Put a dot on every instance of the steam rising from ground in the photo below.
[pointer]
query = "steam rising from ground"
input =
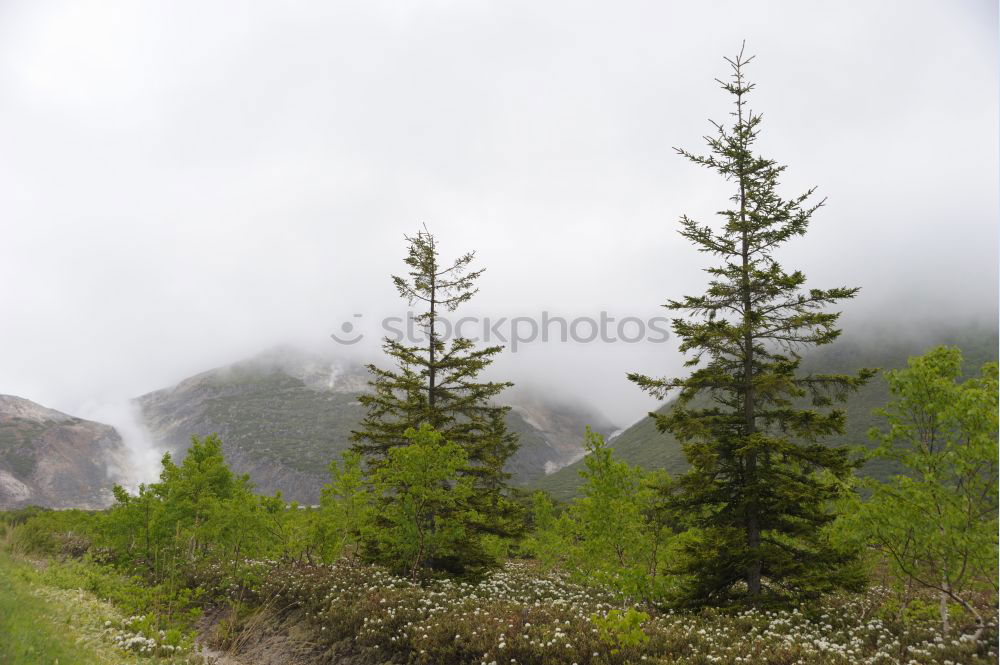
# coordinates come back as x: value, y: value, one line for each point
x: 143, y: 455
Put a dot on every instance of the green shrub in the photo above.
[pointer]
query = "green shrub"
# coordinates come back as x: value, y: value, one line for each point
x: 54, y: 532
x: 621, y: 630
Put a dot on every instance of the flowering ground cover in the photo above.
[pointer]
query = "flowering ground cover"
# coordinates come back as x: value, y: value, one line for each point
x: 521, y: 615
x: 518, y: 614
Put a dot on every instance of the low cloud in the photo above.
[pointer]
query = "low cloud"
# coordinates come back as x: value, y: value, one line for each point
x: 185, y: 184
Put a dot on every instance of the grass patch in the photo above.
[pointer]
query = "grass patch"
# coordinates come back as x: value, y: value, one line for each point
x: 51, y: 616
x: 29, y: 630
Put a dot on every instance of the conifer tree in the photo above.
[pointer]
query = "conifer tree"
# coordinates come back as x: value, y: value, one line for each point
x: 761, y: 484
x: 436, y: 383
x: 423, y: 522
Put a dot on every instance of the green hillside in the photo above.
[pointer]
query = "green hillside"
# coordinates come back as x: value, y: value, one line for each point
x: 285, y: 414
x: 643, y: 445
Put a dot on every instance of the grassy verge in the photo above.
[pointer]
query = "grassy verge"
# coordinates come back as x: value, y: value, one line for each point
x: 51, y: 617
x: 34, y: 630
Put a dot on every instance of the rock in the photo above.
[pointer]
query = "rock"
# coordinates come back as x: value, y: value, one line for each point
x: 52, y: 459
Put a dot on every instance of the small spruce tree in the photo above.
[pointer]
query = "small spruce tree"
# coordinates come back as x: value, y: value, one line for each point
x: 761, y: 484
x: 436, y: 383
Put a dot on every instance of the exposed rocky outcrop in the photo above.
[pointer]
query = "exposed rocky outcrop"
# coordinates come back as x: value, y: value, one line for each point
x: 52, y: 459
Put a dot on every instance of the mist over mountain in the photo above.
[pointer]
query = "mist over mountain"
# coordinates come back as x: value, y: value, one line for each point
x: 879, y: 346
x: 285, y: 414
x: 255, y: 179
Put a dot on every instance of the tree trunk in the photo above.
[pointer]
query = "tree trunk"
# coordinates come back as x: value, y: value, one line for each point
x: 980, y: 624
x: 753, y: 531
x: 431, y: 368
x: 752, y: 523
x: 943, y: 608
x: 420, y: 553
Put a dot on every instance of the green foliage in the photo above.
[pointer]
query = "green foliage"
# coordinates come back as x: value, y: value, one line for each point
x: 199, y: 511
x: 760, y: 485
x: 616, y: 534
x: 345, y: 508
x: 325, y: 533
x: 938, y: 524
x: 513, y: 613
x: 437, y: 384
x: 424, y: 518
x: 171, y: 605
x: 59, y: 614
x: 622, y: 629
x: 28, y: 636
x: 618, y: 529
x: 547, y: 540
x: 21, y: 515
x: 53, y: 532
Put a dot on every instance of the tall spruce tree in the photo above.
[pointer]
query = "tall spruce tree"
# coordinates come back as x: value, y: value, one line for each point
x: 436, y: 383
x: 760, y: 486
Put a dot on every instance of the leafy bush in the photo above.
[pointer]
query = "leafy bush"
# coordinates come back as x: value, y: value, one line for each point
x: 617, y: 534
x: 21, y: 515
x: 423, y: 512
x: 937, y: 524
x: 54, y: 532
x: 622, y: 629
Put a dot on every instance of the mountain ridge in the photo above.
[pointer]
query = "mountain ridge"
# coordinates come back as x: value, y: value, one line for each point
x: 285, y: 414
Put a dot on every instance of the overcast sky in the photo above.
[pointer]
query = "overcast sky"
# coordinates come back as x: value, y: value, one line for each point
x: 183, y: 184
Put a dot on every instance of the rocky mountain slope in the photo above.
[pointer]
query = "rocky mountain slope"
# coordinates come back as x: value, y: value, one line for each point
x: 285, y: 414
x: 643, y: 445
x: 51, y: 459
